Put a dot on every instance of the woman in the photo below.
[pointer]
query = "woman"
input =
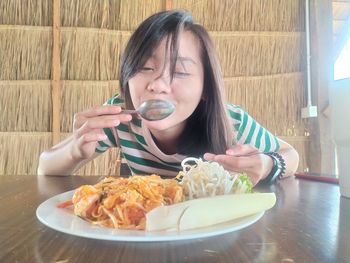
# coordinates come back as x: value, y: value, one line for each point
x: 170, y: 57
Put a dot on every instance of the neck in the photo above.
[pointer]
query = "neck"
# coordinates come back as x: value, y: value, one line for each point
x: 167, y: 140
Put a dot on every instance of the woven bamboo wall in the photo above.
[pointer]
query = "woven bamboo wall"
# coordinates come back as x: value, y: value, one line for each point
x: 260, y: 45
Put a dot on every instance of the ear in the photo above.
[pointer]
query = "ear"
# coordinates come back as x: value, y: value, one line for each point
x: 203, y: 97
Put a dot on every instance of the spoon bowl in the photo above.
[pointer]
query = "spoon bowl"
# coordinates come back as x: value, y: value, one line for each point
x: 153, y: 110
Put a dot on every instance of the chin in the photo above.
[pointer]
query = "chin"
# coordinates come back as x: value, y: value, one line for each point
x: 158, y: 125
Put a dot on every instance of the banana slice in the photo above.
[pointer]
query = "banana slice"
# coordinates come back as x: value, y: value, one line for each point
x: 207, y: 211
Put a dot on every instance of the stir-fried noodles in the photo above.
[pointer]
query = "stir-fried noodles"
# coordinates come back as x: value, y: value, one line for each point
x: 123, y: 202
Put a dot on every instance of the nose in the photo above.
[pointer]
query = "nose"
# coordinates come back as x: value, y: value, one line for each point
x: 160, y: 84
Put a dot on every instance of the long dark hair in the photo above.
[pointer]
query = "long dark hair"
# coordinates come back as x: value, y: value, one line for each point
x: 207, y: 129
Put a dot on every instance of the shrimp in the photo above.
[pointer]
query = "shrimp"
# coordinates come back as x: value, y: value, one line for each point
x: 84, y: 200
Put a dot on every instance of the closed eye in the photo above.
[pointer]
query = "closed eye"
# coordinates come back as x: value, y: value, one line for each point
x: 181, y: 74
x: 146, y: 69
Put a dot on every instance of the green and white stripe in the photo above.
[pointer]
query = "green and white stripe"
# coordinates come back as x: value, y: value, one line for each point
x: 144, y: 157
x: 249, y: 131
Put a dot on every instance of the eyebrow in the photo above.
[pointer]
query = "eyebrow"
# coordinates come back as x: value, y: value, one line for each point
x: 185, y: 59
x: 181, y: 59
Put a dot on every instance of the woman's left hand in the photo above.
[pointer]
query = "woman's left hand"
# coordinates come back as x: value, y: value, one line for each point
x: 244, y: 158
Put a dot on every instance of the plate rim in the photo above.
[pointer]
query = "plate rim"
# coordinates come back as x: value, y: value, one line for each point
x: 159, y: 236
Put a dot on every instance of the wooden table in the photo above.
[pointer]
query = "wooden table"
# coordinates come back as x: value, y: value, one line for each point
x: 310, y: 223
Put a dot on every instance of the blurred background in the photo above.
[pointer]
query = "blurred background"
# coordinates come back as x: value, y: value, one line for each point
x: 58, y: 57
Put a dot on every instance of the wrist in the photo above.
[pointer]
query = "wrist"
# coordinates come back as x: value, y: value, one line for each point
x: 270, y: 163
x: 277, y: 170
x: 75, y: 155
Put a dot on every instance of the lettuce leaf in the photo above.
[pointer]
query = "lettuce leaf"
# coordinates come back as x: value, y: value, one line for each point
x: 242, y: 185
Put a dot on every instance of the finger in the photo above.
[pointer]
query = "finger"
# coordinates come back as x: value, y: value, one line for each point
x: 241, y: 150
x: 86, y: 145
x: 98, y: 123
x: 101, y: 110
x: 254, y: 180
x: 116, y: 118
x: 209, y: 156
x: 107, y: 121
x: 81, y: 117
x: 93, y: 137
x: 78, y: 121
x: 232, y: 163
x: 229, y: 161
x: 124, y: 117
x: 94, y: 126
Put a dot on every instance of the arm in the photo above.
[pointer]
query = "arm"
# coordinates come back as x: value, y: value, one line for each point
x: 290, y: 156
x: 59, y: 160
x: 246, y: 158
x: 247, y: 155
x: 72, y: 153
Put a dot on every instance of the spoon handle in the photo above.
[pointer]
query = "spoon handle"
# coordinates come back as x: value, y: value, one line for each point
x: 130, y: 111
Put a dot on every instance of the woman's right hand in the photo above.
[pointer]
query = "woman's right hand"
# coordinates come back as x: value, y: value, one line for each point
x: 88, y: 128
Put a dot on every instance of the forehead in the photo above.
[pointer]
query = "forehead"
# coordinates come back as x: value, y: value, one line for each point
x: 188, y: 47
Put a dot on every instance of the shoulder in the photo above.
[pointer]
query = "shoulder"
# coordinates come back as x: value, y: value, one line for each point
x: 115, y: 100
x: 239, y: 119
x: 248, y: 131
x: 235, y: 112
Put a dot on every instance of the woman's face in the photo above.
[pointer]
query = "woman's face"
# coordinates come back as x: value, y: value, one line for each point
x: 185, y: 90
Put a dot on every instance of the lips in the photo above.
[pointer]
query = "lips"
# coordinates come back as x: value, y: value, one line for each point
x: 142, y: 100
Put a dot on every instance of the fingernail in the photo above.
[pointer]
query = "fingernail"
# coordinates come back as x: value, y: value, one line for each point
x: 230, y: 152
x: 116, y: 122
x: 116, y: 108
x: 208, y: 156
x: 102, y: 137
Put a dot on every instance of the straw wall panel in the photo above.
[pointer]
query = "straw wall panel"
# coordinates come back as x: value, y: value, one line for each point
x: 270, y: 98
x: 125, y: 36
x: 107, y: 163
x: 246, y: 15
x: 259, y: 46
x: 77, y: 96
x: 20, y: 151
x: 255, y: 54
x: 112, y: 14
x: 25, y: 106
x: 89, y: 54
x: 25, y: 52
x: 26, y: 12
x: 132, y: 13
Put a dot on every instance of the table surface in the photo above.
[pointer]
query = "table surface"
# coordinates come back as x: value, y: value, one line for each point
x: 309, y: 223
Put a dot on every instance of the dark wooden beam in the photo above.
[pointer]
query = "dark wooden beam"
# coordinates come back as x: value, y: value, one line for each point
x: 321, y: 158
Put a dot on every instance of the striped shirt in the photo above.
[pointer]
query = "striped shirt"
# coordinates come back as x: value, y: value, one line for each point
x: 144, y: 157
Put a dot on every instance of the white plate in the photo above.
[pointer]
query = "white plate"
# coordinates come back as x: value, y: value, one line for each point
x: 65, y: 221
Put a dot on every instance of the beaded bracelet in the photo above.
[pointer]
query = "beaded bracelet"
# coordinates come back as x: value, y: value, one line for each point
x: 278, y: 168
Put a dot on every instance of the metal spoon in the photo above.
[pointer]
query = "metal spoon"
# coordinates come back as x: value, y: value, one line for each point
x: 153, y: 110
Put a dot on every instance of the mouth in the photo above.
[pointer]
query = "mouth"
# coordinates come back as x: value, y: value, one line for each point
x: 143, y: 100
x: 155, y: 110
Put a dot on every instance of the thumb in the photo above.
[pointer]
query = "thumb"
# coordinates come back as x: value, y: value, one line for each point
x: 209, y: 156
x: 241, y: 150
